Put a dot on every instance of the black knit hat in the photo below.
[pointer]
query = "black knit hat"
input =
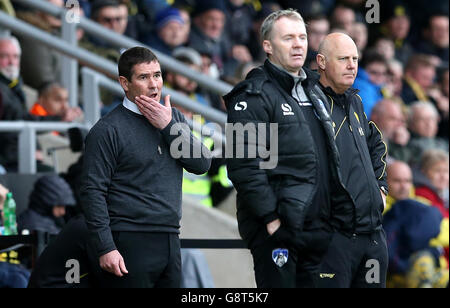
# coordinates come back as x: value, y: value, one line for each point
x: 48, y: 191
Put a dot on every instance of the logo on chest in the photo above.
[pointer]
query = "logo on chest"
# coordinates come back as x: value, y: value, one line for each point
x: 287, y: 109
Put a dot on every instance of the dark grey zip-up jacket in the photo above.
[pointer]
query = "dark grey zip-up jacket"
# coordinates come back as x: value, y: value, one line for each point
x: 130, y: 181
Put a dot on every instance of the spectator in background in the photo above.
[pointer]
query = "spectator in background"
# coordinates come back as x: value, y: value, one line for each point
x: 53, y: 104
x: 208, y: 36
x: 318, y: 27
x: 385, y: 47
x: 14, y: 103
x: 415, y: 235
x: 418, y: 78
x: 12, y: 98
x: 395, y: 25
x: 371, y: 80
x: 239, y: 15
x: 254, y: 45
x: 186, y: 30
x: 423, y: 125
x: 183, y: 84
x: 108, y: 14
x: 40, y: 63
x: 395, y: 78
x: 431, y: 183
x: 360, y: 35
x: 343, y: 17
x: 440, y: 96
x: 434, y: 165
x: 169, y: 31
x: 47, y: 205
x: 435, y: 39
x: 390, y: 120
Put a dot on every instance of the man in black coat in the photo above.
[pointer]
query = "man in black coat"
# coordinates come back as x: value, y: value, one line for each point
x: 357, y: 255
x: 283, y: 200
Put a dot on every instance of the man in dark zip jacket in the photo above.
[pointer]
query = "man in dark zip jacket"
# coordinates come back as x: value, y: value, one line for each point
x: 282, y: 209
x: 357, y: 256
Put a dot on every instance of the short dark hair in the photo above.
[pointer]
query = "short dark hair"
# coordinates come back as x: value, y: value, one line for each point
x: 97, y: 5
x: 45, y: 87
x: 132, y: 57
x: 372, y: 56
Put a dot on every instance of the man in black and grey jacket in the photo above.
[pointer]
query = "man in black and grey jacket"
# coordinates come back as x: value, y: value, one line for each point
x: 131, y: 182
x: 357, y: 256
x: 282, y: 210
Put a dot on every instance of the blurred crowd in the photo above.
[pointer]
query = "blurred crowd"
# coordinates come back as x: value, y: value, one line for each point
x: 403, y: 80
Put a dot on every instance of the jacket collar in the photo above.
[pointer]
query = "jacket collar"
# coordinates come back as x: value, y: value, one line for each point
x: 286, y: 80
x: 343, y: 98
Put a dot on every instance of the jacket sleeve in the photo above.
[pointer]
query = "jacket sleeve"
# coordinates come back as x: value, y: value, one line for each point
x: 249, y: 179
x: 99, y: 163
x: 377, y: 149
x: 190, y: 151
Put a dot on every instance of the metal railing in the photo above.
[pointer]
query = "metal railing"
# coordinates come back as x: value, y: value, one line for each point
x: 27, y: 138
x: 91, y: 81
x: 98, y: 63
x: 69, y: 33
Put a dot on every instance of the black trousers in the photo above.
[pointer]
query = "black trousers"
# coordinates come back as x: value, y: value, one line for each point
x: 355, y: 261
x: 297, y: 266
x: 153, y: 260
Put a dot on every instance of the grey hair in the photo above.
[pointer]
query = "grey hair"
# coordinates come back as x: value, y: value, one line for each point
x: 419, y: 105
x: 432, y: 157
x: 13, y: 40
x: 267, y: 26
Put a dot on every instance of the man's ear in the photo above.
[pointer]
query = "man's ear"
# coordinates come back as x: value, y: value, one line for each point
x: 267, y: 46
x: 321, y: 63
x: 124, y: 83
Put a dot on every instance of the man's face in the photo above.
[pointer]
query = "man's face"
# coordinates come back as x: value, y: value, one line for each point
x: 122, y: 14
x: 424, y: 76
x: 212, y: 23
x: 389, y: 120
x: 172, y: 33
x: 9, y: 60
x: 398, y: 27
x: 317, y: 30
x: 288, y: 44
x: 112, y: 18
x: 399, y: 181
x: 146, y: 80
x: 439, y: 31
x: 184, y: 84
x: 56, y: 101
x: 377, y: 73
x: 59, y: 211
x: 438, y: 175
x: 340, y: 65
x: 424, y: 123
x: 345, y: 18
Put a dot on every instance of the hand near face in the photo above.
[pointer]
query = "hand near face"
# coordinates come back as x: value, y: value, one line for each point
x: 158, y: 115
